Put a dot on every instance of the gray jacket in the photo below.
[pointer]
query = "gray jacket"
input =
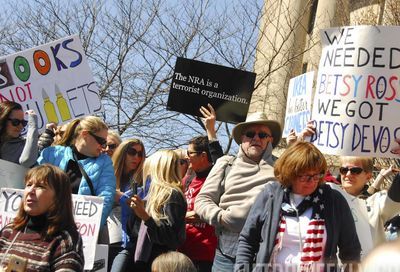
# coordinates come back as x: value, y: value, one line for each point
x: 23, y: 151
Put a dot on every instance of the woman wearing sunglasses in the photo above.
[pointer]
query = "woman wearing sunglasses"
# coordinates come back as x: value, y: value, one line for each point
x: 113, y: 141
x: 298, y: 223
x: 14, y: 148
x: 370, y: 212
x: 128, y: 160
x: 79, y: 154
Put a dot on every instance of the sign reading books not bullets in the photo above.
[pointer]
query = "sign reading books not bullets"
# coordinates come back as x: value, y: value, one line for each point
x: 53, y: 79
x: 298, y: 105
x: 195, y: 84
x: 87, y: 214
x: 357, y: 97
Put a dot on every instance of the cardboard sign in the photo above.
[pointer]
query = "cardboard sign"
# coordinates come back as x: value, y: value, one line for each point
x: 12, y: 175
x: 87, y: 214
x: 298, y: 105
x: 357, y: 97
x: 195, y: 84
x: 52, y: 79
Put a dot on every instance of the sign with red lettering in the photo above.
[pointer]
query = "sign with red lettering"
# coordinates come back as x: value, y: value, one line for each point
x: 52, y: 79
x: 357, y: 96
x: 87, y: 214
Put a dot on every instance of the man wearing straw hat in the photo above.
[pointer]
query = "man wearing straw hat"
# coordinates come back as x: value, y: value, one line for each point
x: 233, y: 183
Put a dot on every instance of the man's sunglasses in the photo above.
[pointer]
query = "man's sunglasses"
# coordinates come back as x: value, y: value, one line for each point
x: 111, y: 146
x: 17, y: 122
x: 101, y: 141
x: 353, y: 170
x: 133, y: 152
x: 261, y: 135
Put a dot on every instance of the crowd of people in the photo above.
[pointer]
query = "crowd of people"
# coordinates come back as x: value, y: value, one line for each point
x: 195, y: 209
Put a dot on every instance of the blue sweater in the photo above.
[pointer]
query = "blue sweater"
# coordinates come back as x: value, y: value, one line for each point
x: 100, y: 171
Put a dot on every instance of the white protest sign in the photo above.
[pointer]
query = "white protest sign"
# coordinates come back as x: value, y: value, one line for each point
x: 357, y: 96
x: 53, y: 79
x: 87, y: 214
x: 298, y: 106
x: 12, y: 175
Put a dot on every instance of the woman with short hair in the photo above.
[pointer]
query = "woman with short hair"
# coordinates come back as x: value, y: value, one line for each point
x: 43, y: 236
x: 299, y: 222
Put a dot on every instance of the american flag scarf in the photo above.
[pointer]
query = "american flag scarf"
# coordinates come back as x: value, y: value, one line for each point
x: 312, y: 250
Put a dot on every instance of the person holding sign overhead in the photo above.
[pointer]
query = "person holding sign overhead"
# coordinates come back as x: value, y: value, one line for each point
x: 43, y: 235
x: 79, y: 154
x: 14, y: 148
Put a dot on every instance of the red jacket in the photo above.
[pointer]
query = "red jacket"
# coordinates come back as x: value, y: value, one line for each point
x: 200, y: 241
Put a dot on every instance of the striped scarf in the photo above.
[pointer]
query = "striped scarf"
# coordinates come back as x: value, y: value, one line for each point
x: 312, y: 244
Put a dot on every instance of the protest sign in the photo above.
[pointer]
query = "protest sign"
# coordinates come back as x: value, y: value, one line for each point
x: 12, y: 175
x: 53, y: 79
x: 298, y: 105
x: 87, y: 214
x: 357, y: 95
x: 195, y: 84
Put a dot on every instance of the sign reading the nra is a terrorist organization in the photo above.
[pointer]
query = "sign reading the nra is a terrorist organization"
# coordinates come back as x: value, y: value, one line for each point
x: 196, y: 84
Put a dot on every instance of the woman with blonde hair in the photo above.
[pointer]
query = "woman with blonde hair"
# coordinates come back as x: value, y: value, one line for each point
x: 128, y: 160
x: 162, y: 218
x: 79, y: 154
x: 173, y: 261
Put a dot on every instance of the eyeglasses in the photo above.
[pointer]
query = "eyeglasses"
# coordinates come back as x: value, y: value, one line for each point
x: 17, y: 122
x: 307, y: 178
x: 101, y: 141
x: 353, y: 170
x: 193, y: 152
x: 261, y: 135
x: 133, y: 152
x: 183, y: 161
x: 111, y: 146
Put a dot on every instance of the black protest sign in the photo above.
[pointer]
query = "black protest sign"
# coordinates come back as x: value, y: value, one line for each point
x: 196, y: 84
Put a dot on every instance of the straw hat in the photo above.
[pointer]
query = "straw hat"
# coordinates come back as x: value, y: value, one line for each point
x: 258, y: 118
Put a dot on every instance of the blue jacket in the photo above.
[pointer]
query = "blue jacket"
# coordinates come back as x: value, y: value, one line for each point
x: 100, y: 171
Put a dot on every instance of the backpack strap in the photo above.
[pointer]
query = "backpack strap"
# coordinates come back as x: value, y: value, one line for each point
x: 83, y: 172
x: 228, y: 167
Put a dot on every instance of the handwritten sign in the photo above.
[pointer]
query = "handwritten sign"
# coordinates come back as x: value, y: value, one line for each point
x: 87, y: 214
x: 196, y: 83
x: 298, y: 105
x: 356, y: 103
x: 53, y: 79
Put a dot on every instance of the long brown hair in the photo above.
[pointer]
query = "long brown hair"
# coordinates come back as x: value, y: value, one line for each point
x: 119, y: 158
x: 6, y: 108
x: 60, y: 215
